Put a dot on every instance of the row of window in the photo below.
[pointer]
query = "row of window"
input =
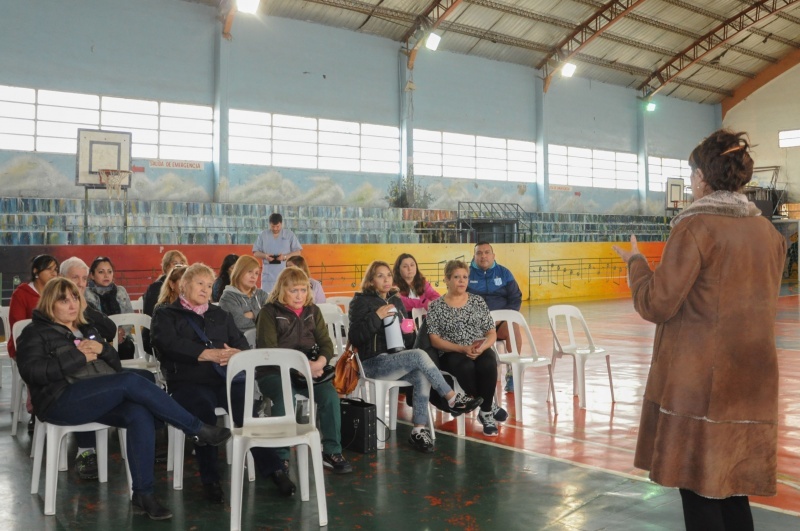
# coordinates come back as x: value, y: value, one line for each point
x: 789, y: 138
x: 45, y: 120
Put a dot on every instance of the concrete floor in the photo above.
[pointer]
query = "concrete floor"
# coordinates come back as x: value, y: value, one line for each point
x: 567, y: 472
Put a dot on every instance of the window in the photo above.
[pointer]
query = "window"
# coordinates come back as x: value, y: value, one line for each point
x: 443, y: 154
x: 301, y: 142
x: 48, y: 120
x: 789, y: 138
x: 661, y: 169
x: 597, y: 168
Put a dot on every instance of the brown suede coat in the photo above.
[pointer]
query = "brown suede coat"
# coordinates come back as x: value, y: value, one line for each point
x: 710, y: 413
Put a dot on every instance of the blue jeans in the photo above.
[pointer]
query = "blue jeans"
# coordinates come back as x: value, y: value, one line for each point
x: 202, y: 400
x: 328, y: 410
x: 86, y: 439
x: 124, y: 400
x: 415, y: 367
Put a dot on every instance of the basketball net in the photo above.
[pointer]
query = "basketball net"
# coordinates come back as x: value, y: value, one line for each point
x: 113, y: 180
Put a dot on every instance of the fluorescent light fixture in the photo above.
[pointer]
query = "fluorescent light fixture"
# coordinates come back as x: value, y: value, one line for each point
x: 432, y: 42
x: 651, y: 106
x: 248, y: 6
x: 568, y: 69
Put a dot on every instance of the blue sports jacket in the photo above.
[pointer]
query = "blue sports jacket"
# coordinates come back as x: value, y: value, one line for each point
x: 496, y: 285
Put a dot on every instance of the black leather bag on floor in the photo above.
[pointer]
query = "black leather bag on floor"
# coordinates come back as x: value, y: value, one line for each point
x: 359, y: 425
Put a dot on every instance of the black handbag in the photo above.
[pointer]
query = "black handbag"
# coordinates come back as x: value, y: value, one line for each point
x: 359, y: 425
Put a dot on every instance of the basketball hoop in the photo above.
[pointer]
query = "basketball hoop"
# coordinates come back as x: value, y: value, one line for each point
x: 114, y: 179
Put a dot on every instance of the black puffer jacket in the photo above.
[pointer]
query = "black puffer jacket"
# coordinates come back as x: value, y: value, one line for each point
x: 178, y: 346
x: 46, y: 353
x: 366, y: 328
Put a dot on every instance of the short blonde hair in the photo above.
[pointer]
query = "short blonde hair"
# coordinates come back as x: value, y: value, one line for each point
x: 167, y: 294
x: 196, y: 270
x: 244, y: 264
x: 290, y: 277
x: 169, y: 257
x: 369, y: 276
x: 57, y: 289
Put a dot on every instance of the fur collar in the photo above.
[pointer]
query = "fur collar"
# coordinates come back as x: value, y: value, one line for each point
x: 719, y: 203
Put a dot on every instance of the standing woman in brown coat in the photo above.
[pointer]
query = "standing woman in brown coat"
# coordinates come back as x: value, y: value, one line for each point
x: 710, y: 412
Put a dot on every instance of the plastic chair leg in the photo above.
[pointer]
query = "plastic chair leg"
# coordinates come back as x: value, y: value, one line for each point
x: 170, y: 446
x: 394, y: 396
x: 302, y: 469
x: 517, y: 373
x: 179, y: 441
x: 610, y: 382
x: 51, y: 472
x: 552, y: 389
x: 580, y: 369
x: 237, y: 469
x: 319, y: 481
x: 380, y: 408
x: 39, y: 435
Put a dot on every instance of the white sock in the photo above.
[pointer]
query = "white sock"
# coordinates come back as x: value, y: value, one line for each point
x: 416, y: 429
x: 81, y: 450
x: 452, y: 400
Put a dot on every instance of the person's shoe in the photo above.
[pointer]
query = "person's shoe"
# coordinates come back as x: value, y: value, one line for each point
x: 86, y: 465
x: 421, y: 441
x: 509, y: 388
x: 147, y: 504
x: 283, y: 482
x: 213, y: 493
x: 211, y: 435
x: 162, y: 456
x: 489, y: 425
x: 337, y: 463
x: 499, y: 414
x: 464, y: 404
x: 31, y: 425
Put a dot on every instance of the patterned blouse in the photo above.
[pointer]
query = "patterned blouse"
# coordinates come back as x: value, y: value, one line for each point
x: 461, y: 326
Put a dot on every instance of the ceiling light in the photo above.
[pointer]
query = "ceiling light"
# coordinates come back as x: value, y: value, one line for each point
x: 568, y: 69
x: 247, y: 6
x: 432, y: 42
x: 651, y: 106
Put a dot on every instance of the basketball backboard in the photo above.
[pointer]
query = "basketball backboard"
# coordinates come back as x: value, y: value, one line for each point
x: 102, y: 150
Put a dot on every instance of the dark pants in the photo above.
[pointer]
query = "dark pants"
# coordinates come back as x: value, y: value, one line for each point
x: 124, y: 400
x: 477, y: 377
x: 86, y: 439
x: 202, y: 400
x: 708, y: 514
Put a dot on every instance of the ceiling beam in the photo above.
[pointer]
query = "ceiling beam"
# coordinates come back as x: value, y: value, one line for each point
x: 435, y: 13
x: 747, y: 88
x: 588, y: 30
x: 711, y: 41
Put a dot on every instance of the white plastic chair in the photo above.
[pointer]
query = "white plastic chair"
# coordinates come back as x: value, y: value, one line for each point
x: 4, y: 345
x: 176, y: 444
x: 141, y: 359
x: 17, y: 385
x: 417, y: 314
x: 138, y: 304
x: 520, y: 362
x: 250, y: 336
x: 275, y: 431
x: 375, y: 393
x: 334, y: 319
x: 344, y: 304
x: 57, y: 456
x: 579, y: 353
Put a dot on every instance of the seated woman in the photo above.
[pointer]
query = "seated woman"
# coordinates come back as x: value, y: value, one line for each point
x: 170, y: 289
x: 368, y: 309
x: 171, y: 259
x: 74, y: 378
x: 415, y: 291
x: 316, y: 286
x: 242, y: 299
x: 461, y: 327
x: 104, y: 295
x: 194, y: 340
x: 291, y: 320
x: 224, y: 278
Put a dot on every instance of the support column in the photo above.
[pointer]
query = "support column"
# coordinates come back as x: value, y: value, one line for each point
x: 406, y: 89
x: 222, y: 51
x: 641, y: 152
x: 542, y: 177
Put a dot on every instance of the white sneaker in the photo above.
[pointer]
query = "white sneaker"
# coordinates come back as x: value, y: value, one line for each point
x: 489, y: 425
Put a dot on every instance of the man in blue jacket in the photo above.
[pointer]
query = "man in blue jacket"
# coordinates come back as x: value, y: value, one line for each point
x: 498, y: 288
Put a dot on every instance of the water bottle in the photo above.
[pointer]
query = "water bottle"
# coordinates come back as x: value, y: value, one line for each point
x: 394, y: 336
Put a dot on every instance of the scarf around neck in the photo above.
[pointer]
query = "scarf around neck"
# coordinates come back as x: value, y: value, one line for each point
x: 719, y: 203
x: 199, y: 310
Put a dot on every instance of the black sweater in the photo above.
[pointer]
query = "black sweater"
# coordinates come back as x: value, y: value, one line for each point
x: 366, y: 328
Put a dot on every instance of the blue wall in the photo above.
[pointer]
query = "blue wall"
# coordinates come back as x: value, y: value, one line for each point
x: 165, y: 50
